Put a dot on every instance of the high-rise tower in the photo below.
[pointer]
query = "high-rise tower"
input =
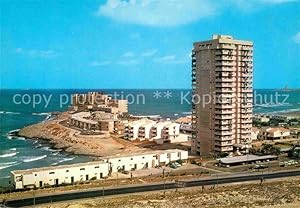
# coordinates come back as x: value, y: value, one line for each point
x: 222, y: 70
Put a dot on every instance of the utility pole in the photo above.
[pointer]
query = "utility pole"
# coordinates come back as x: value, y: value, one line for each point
x: 164, y: 183
x: 117, y: 179
x: 33, y: 198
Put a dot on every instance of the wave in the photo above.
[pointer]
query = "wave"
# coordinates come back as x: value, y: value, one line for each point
x: 51, y: 150
x: 31, y: 159
x: 13, y: 149
x: 9, y: 154
x: 9, y: 137
x: 41, y: 114
x: 9, y: 112
x: 273, y: 105
x: 186, y: 113
x: 13, y: 131
x: 9, y: 165
x: 38, y: 146
x: 287, y: 110
x: 64, y: 160
x: 20, y: 138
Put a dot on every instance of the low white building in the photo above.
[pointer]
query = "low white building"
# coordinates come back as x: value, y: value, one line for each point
x: 82, y: 172
x: 58, y: 175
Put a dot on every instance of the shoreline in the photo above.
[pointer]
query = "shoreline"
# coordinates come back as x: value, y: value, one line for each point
x: 69, y: 140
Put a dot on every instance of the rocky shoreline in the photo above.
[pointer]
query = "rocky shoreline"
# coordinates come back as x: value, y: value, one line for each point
x: 67, y: 139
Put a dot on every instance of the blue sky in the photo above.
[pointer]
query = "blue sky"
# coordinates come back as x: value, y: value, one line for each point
x: 140, y: 43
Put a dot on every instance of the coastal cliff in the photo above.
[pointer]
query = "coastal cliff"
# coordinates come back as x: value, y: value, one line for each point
x: 70, y: 140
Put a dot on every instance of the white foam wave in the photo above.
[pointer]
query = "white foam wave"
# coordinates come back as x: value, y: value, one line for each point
x: 9, y: 112
x: 287, y: 110
x: 186, y: 113
x: 273, y: 105
x: 37, y: 146
x: 9, y: 165
x: 41, y: 114
x: 20, y: 138
x: 49, y: 149
x: 13, y: 149
x: 31, y: 159
x: 9, y: 154
x: 63, y: 160
x: 9, y: 137
x: 13, y: 131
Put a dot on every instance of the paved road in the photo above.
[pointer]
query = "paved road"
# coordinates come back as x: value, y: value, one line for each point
x: 144, y: 188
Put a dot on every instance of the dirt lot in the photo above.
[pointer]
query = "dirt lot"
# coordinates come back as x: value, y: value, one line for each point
x: 283, y: 194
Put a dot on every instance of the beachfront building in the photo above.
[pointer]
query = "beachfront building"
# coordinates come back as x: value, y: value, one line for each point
x: 83, y: 172
x: 158, y: 131
x: 222, y: 95
x: 273, y: 133
x: 98, y: 101
x: 97, y: 121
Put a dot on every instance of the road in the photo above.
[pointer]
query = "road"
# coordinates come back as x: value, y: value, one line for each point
x: 151, y: 187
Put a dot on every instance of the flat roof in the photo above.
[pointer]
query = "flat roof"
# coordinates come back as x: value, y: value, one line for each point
x: 146, y: 153
x: 53, y: 168
x: 98, y: 162
x: 246, y: 158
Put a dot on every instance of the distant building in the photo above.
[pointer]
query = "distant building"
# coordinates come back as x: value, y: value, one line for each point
x: 100, y: 102
x: 273, y: 133
x: 261, y: 118
x: 222, y: 69
x: 282, y: 118
x: 83, y: 172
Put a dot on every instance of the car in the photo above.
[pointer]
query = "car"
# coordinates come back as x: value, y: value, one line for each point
x: 260, y: 167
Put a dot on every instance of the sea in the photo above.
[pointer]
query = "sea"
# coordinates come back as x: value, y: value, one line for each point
x: 19, y: 108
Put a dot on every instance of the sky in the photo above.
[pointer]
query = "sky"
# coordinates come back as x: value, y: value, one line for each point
x: 133, y: 44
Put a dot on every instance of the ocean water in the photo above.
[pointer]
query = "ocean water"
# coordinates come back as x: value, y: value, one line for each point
x: 17, y: 110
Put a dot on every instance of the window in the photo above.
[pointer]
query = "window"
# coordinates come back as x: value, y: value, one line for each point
x: 97, y: 167
x: 18, y: 178
x: 52, y: 173
x: 82, y: 168
x: 119, y: 160
x: 143, y: 157
x: 131, y: 158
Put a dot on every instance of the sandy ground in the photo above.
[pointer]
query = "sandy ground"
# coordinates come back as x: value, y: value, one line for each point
x: 278, y: 194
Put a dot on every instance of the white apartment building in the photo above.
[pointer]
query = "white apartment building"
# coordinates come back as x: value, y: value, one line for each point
x: 146, y: 129
x: 82, y: 172
x: 139, y: 129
